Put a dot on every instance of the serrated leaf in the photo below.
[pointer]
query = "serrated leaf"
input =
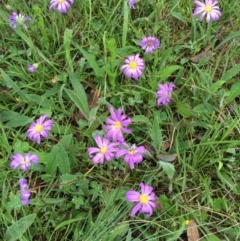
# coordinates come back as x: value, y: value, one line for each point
x: 156, y: 135
x: 63, y: 160
x: 16, y: 230
x: 111, y: 45
x: 168, y: 168
x: 51, y: 165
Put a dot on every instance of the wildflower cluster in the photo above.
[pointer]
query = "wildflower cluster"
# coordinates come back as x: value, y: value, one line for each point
x: 108, y: 150
x: 19, y: 161
x: 113, y: 145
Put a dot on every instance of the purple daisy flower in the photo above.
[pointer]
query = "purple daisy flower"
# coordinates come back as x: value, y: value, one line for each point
x: 105, y: 150
x: 61, y: 5
x: 132, y: 3
x: 116, y: 125
x: 39, y: 128
x: 132, y: 154
x: 24, y: 191
x: 18, y: 19
x: 32, y: 67
x: 145, y: 200
x: 208, y: 8
x: 23, y: 162
x: 133, y: 67
x: 164, y: 93
x: 149, y: 44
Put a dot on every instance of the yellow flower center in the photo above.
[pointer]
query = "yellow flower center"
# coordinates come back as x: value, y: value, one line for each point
x: 143, y: 199
x: 133, y: 65
x: 118, y: 125
x: 150, y: 43
x: 24, y: 162
x: 61, y: 1
x: 103, y: 150
x: 208, y: 8
x: 38, y: 128
x: 131, y: 152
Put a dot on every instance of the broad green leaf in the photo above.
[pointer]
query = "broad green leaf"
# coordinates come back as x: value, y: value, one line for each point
x: 19, y: 121
x: 166, y: 72
x: 183, y: 109
x: 156, y: 135
x: 168, y: 168
x: 214, y: 87
x: 63, y: 160
x: 80, y: 92
x: 68, y: 34
x: 231, y: 72
x: 51, y: 165
x: 16, y: 230
x: 78, y: 101
x: 168, y: 158
x: 8, y: 115
x: 66, y: 178
x: 234, y: 92
x: 140, y: 118
x: 65, y: 141
x: 77, y: 86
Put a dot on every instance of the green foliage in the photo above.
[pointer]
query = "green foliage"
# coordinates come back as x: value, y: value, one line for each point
x: 16, y: 230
